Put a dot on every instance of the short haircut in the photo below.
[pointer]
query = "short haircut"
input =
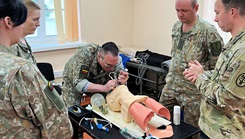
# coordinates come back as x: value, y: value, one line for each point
x: 14, y: 9
x: 237, y: 4
x: 193, y: 3
x: 31, y: 5
x: 110, y: 47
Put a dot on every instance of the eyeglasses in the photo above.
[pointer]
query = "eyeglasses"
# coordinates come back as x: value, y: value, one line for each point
x: 108, y: 65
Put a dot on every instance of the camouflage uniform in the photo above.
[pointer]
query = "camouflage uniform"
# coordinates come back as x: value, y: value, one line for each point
x: 24, y: 51
x: 29, y: 108
x: 203, y: 43
x: 82, y: 68
x: 223, y: 109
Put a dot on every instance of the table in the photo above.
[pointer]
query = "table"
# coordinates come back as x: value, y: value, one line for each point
x: 182, y: 131
x: 94, y: 133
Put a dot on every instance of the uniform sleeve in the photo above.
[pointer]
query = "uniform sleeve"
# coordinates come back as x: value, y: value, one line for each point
x: 229, y: 94
x: 215, y: 45
x: 36, y: 100
x: 83, y: 58
x: 208, y: 73
x: 236, y: 84
x: 80, y: 80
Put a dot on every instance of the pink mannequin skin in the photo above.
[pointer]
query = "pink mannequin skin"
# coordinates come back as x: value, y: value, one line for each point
x: 130, y: 106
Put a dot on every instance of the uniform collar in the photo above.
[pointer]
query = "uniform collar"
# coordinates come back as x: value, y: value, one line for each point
x: 5, y: 49
x: 234, y: 40
x: 23, y: 46
x: 192, y: 31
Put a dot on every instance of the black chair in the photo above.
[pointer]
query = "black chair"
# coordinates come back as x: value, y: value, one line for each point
x: 48, y: 72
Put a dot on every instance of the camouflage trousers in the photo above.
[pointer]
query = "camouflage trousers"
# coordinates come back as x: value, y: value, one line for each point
x: 190, y: 105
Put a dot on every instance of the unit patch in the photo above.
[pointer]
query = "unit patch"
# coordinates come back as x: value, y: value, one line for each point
x: 240, y: 82
x: 216, y: 48
x: 236, y: 84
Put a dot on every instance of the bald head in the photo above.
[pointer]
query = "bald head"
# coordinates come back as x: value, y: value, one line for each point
x: 191, y: 2
x: 186, y: 11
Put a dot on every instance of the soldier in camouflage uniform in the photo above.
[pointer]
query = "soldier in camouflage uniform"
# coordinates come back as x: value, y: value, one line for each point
x: 29, y: 106
x: 223, y: 107
x: 192, y: 38
x: 23, y: 49
x: 88, y: 71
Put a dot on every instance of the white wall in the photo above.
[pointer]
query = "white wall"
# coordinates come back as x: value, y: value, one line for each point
x: 129, y: 23
x: 107, y: 20
x: 153, y: 23
x: 101, y: 21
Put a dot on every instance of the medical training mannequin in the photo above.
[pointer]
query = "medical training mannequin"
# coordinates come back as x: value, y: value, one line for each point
x: 130, y: 106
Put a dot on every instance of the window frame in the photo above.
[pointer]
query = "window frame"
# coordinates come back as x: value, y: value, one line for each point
x: 49, y: 43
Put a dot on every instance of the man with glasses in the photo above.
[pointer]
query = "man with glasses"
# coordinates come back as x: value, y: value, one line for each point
x: 88, y: 71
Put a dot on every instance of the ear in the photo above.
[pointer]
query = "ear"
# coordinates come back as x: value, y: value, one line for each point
x: 196, y: 7
x: 99, y: 55
x: 8, y: 22
x: 233, y: 11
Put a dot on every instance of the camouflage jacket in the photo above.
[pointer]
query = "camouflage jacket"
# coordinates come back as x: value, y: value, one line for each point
x: 29, y: 106
x: 223, y: 110
x: 203, y: 43
x: 83, y: 67
x: 24, y: 51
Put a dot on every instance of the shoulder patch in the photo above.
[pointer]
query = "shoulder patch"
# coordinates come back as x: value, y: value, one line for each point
x: 216, y: 48
x: 236, y: 84
x: 50, y: 86
x: 84, y: 72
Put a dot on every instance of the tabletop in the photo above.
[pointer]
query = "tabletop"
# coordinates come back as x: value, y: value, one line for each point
x: 182, y: 131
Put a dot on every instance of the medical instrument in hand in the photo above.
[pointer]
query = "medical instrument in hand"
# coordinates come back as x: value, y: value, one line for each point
x: 113, y: 75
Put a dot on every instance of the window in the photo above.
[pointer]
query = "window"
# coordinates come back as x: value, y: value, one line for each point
x: 47, y: 31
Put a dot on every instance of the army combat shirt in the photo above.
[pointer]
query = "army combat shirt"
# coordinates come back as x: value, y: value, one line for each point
x: 203, y: 43
x: 223, y: 110
x: 83, y: 67
x: 29, y: 106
